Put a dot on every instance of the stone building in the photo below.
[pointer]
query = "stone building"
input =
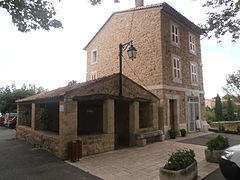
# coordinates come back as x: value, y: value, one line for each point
x: 92, y: 112
x: 168, y: 60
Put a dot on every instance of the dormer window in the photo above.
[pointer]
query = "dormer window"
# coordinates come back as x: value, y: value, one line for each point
x: 94, y: 57
x: 175, y: 34
x: 192, y: 44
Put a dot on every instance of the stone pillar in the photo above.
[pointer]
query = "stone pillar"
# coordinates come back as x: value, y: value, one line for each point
x: 108, y: 116
x: 68, y: 110
x: 133, y: 122
x: 33, y: 119
x: 154, y: 115
x: 18, y: 115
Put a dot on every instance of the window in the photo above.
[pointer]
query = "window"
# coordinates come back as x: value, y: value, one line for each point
x: 176, y: 69
x: 194, y: 76
x: 93, y: 75
x: 175, y: 34
x: 94, y: 57
x: 192, y: 46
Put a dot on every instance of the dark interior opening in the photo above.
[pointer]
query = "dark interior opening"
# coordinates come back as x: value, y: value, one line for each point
x: 121, y: 124
x: 90, y: 117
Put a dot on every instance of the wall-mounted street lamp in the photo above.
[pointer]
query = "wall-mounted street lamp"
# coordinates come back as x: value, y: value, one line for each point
x: 132, y: 52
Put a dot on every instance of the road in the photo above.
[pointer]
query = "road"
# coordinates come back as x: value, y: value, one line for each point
x: 19, y: 161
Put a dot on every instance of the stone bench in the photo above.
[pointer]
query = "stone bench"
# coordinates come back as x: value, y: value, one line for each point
x: 141, y: 137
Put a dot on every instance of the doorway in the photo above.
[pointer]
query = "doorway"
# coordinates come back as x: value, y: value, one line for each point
x: 121, y: 124
x: 173, y: 113
x: 193, y: 112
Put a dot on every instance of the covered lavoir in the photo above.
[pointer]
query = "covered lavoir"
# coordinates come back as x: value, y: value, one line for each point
x: 93, y: 112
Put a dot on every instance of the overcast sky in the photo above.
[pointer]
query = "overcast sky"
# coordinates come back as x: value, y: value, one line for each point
x: 52, y: 59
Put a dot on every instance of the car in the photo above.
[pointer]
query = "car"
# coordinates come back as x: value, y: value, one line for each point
x: 230, y: 163
x: 12, y: 123
x: 2, y: 119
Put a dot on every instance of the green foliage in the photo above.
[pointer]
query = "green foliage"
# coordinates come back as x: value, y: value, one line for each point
x: 183, y: 132
x: 172, y: 133
x: 238, y: 129
x: 8, y: 96
x: 72, y: 82
x: 218, y: 143
x: 221, y: 128
x: 233, y: 84
x: 31, y: 15
x: 180, y: 160
x: 223, y: 18
x: 210, y: 114
x: 230, y: 111
x: 218, y: 109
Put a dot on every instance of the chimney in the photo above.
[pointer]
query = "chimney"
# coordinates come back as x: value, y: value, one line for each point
x: 139, y: 3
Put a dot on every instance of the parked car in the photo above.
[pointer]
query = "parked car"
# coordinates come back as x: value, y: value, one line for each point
x: 2, y: 121
x: 8, y: 117
x: 230, y: 163
x: 12, y: 123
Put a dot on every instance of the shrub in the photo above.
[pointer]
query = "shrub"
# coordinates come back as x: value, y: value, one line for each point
x: 221, y: 128
x: 218, y: 143
x: 180, y: 160
x: 238, y: 129
x: 183, y: 132
x: 172, y: 133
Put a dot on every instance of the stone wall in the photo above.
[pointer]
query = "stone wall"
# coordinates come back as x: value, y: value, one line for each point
x: 230, y: 125
x: 40, y: 139
x: 98, y: 143
x: 24, y: 114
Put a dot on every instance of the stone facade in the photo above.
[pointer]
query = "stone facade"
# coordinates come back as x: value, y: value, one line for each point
x: 150, y: 29
x: 67, y: 114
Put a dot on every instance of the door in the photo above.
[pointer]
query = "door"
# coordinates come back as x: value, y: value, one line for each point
x: 193, y: 113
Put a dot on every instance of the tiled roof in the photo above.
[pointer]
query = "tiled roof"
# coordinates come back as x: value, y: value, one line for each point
x: 80, y: 88
x: 60, y: 92
x: 164, y: 6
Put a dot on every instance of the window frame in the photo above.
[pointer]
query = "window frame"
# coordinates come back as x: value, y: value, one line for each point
x: 93, y: 74
x: 96, y: 57
x: 194, y: 75
x: 176, y: 69
x: 192, y: 44
x: 173, y: 42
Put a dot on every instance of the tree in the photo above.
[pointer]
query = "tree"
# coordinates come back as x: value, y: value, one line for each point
x: 218, y: 109
x: 9, y: 94
x: 72, y: 82
x: 223, y: 18
x: 31, y: 15
x: 233, y: 84
x: 229, y: 116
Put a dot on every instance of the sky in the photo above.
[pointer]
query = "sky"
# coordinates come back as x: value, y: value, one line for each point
x: 53, y: 58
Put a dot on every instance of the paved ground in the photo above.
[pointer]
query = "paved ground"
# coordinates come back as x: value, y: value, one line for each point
x: 19, y: 161
x: 142, y: 163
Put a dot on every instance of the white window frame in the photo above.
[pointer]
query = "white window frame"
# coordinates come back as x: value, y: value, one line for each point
x: 94, y: 59
x: 192, y: 43
x: 174, y: 34
x: 194, y: 73
x: 93, y: 75
x: 176, y: 69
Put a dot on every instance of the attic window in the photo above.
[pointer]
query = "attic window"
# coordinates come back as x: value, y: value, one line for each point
x: 94, y: 57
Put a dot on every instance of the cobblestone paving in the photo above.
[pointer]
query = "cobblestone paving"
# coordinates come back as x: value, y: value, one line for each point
x: 142, y: 163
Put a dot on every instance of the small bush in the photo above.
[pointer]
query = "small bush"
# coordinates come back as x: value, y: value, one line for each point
x: 180, y: 160
x: 221, y: 128
x: 218, y: 143
x: 172, y: 133
x: 183, y: 132
x: 238, y: 129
